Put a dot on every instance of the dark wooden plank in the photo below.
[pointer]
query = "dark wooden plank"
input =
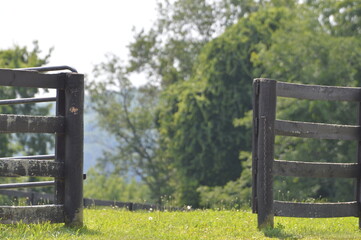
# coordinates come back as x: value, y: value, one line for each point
x: 317, y: 92
x: 265, y: 151
x: 317, y: 130
x: 21, y: 78
x: 358, y: 156
x: 74, y: 139
x: 315, y: 169
x: 30, y: 124
x: 59, y: 194
x: 32, y: 214
x: 255, y: 102
x: 315, y: 210
x: 33, y: 168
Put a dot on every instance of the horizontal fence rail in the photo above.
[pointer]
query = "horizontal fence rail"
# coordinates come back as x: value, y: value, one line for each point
x: 17, y: 78
x: 317, y: 130
x: 32, y: 168
x: 315, y: 169
x: 37, y: 157
x: 317, y: 92
x: 35, y: 197
x: 265, y: 167
x: 316, y: 210
x: 66, y: 166
x: 26, y: 100
x: 32, y: 214
x: 27, y: 184
x: 31, y: 124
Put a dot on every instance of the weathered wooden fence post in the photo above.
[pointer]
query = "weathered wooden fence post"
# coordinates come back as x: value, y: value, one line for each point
x: 73, y: 168
x: 59, y: 194
x: 266, y: 98
x: 358, y: 179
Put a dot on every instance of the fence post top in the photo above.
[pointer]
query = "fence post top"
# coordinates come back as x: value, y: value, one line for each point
x: 266, y: 80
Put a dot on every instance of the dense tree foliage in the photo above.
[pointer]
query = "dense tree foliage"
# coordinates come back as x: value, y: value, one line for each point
x: 128, y: 114
x: 199, y: 127
x: 307, y: 52
x: 197, y: 115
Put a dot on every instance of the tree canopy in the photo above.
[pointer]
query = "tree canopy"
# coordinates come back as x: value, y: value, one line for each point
x: 200, y: 58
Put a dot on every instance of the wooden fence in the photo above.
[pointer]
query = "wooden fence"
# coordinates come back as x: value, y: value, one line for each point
x: 36, y: 198
x: 264, y: 167
x: 66, y: 166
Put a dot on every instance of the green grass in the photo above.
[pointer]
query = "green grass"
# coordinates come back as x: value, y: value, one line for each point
x: 120, y: 224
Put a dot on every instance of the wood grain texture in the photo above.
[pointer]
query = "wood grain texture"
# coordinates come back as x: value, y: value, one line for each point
x: 32, y: 214
x: 31, y: 124
x: 265, y: 151
x: 317, y: 130
x: 318, y: 92
x: 315, y: 210
x: 255, y: 103
x: 315, y: 169
x: 21, y: 78
x: 32, y: 168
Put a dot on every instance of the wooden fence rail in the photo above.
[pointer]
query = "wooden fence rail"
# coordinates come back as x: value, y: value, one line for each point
x: 66, y: 166
x: 264, y: 166
x: 36, y: 198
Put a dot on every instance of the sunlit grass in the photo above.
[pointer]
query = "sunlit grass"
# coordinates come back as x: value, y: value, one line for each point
x: 208, y: 224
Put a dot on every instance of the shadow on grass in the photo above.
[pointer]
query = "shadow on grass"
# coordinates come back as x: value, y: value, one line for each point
x: 278, y: 232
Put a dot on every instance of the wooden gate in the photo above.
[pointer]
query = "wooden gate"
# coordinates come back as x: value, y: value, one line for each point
x: 66, y: 165
x: 264, y: 167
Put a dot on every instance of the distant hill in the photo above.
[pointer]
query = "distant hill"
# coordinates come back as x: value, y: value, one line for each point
x: 95, y: 139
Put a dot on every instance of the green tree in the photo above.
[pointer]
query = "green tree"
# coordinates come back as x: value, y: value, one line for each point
x: 166, y: 53
x: 307, y: 52
x: 282, y: 40
x: 205, y: 80
x: 127, y: 113
x: 197, y: 119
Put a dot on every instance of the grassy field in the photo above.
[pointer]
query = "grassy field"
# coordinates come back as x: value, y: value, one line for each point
x: 120, y: 224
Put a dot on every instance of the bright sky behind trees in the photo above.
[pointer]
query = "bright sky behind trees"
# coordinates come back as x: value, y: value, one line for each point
x: 80, y: 31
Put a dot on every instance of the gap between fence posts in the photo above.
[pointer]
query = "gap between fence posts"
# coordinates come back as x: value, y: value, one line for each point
x: 265, y: 151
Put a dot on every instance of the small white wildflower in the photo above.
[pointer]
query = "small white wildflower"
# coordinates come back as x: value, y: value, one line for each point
x: 150, y: 218
x: 189, y: 207
x: 150, y: 209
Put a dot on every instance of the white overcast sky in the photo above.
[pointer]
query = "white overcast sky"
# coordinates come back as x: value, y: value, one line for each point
x: 80, y: 31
